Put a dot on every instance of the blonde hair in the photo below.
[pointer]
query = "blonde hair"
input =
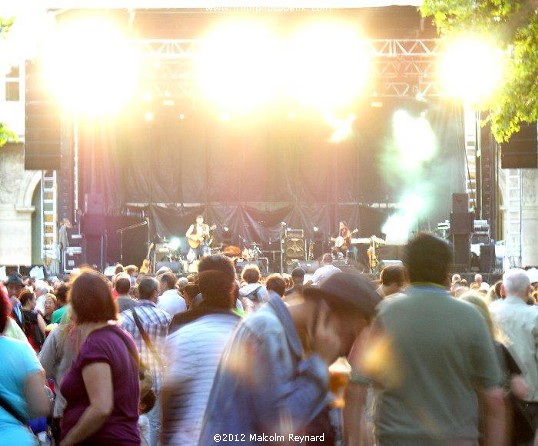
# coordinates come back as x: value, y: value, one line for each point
x: 476, y: 299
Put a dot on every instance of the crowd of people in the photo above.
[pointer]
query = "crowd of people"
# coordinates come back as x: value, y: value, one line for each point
x: 217, y: 356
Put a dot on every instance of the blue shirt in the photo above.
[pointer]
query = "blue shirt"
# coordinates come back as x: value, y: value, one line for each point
x: 18, y: 362
x: 264, y: 385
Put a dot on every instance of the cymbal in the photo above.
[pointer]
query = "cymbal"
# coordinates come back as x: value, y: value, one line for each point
x: 377, y: 240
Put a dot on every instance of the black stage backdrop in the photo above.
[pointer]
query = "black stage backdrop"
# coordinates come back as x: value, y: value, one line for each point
x: 253, y: 173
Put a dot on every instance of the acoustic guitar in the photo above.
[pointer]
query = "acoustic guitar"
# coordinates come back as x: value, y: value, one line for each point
x: 195, y: 240
x: 343, y: 242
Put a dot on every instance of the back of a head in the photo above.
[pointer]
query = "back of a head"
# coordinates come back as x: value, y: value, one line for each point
x: 276, y: 283
x: 297, y: 275
x: 169, y: 279
x: 327, y: 259
x: 147, y: 287
x: 250, y: 274
x: 216, y: 280
x: 131, y: 269
x: 91, y: 298
x: 393, y: 274
x: 61, y: 293
x: 428, y: 259
x: 122, y: 283
x: 516, y: 282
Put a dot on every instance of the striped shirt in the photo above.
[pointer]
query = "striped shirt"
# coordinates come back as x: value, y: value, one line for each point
x: 194, y: 353
x: 155, y: 322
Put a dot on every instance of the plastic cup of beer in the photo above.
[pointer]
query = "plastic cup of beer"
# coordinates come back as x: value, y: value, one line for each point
x: 339, y: 372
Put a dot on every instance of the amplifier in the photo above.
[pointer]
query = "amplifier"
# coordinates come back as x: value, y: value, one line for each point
x: 294, y: 233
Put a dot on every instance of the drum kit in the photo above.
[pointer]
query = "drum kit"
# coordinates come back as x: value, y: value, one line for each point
x: 251, y: 252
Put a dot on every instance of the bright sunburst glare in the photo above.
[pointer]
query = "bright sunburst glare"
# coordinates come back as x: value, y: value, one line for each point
x: 90, y: 66
x: 472, y: 69
x: 327, y: 65
x: 237, y: 66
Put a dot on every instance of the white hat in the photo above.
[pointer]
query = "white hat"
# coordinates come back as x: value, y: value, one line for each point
x: 484, y: 286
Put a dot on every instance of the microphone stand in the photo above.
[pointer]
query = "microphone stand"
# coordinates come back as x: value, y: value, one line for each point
x: 282, y: 247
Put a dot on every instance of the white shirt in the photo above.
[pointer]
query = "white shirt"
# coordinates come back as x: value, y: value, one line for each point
x: 171, y: 302
x: 194, y: 353
x: 519, y: 323
x: 323, y: 273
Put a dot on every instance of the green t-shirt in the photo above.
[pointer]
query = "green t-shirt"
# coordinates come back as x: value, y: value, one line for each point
x: 58, y: 315
x: 443, y: 353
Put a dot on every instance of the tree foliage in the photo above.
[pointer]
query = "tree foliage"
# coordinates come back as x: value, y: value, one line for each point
x: 514, y: 26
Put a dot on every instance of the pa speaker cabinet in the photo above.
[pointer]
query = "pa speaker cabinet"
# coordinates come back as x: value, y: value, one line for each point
x: 461, y: 223
x: 461, y: 244
x: 460, y: 203
x: 294, y: 248
x: 487, y: 258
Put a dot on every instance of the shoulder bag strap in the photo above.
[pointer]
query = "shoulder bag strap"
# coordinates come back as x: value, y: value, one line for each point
x: 146, y: 338
x: 6, y: 405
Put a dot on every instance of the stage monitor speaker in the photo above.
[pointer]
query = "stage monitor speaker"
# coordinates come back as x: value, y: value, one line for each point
x: 461, y: 223
x: 521, y: 150
x: 93, y: 224
x: 94, y: 204
x: 310, y: 266
x: 461, y: 244
x: 42, y: 136
x: 487, y: 258
x: 176, y: 267
x: 294, y: 248
x: 460, y: 203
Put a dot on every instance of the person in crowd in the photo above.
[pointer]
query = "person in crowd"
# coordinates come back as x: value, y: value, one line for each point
x: 273, y: 375
x: 170, y: 300
x: 122, y: 285
x: 148, y: 325
x: 513, y: 382
x: 392, y: 280
x: 326, y: 270
x: 433, y: 360
x: 41, y: 289
x: 519, y: 324
x: 58, y: 353
x: 296, y: 291
x: 50, y: 307
x: 190, y: 291
x: 15, y: 285
x: 252, y: 293
x: 61, y: 300
x: 194, y: 350
x: 119, y: 269
x: 479, y: 283
x: 494, y: 292
x: 34, y: 325
x: 181, y: 284
x: 276, y: 283
x: 22, y: 383
x: 132, y: 271
x: 101, y: 388
x: 147, y: 402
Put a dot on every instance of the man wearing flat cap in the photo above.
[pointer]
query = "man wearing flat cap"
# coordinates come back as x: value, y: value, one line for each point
x: 273, y: 377
x: 14, y: 285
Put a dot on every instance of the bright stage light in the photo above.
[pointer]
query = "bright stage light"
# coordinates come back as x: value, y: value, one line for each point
x: 414, y: 139
x: 413, y: 205
x: 236, y: 66
x: 472, y: 69
x: 327, y: 65
x: 174, y: 243
x: 342, y: 128
x: 90, y: 66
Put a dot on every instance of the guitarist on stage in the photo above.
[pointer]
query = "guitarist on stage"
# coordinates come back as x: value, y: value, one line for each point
x: 197, y: 236
x: 342, y: 242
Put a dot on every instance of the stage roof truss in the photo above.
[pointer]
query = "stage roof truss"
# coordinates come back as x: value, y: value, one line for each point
x: 402, y: 67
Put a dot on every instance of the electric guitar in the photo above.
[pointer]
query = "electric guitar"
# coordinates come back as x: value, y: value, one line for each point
x: 341, y: 242
x: 195, y: 240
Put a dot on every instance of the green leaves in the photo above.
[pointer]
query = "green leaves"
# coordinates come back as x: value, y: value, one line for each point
x: 514, y: 26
